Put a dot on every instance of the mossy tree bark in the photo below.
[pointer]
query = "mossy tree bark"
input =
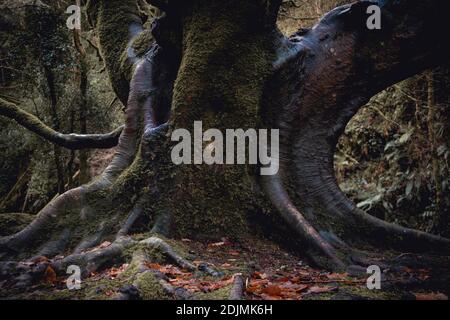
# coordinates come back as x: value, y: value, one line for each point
x: 223, y: 62
x: 226, y: 59
x: 83, y: 109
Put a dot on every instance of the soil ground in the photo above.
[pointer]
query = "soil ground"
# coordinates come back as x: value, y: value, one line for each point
x: 270, y: 273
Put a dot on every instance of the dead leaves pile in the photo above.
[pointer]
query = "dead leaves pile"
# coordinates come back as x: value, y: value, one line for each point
x: 184, y: 279
x: 430, y: 296
x: 292, y: 281
x: 291, y: 286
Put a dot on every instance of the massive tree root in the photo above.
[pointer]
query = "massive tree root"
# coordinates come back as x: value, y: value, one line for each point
x: 338, y: 66
x: 83, y: 217
x: 309, y: 86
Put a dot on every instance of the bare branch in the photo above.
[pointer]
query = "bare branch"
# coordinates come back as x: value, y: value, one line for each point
x: 70, y: 141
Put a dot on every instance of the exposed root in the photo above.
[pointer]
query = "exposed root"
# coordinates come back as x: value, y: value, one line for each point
x: 238, y: 289
x: 140, y: 274
x: 71, y: 200
x: 313, y: 110
x: 135, y: 214
x: 80, y: 223
x: 53, y: 248
x: 164, y: 248
x: 147, y: 105
x: 138, y: 117
x: 414, y: 240
x: 277, y: 194
x: 95, y: 259
x: 26, y: 273
x: 92, y: 240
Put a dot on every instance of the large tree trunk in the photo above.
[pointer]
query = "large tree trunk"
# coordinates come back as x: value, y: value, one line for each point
x: 226, y: 59
x: 223, y: 62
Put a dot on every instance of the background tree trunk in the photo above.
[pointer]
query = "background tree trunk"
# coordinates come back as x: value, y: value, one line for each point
x: 59, y: 163
x: 83, y: 110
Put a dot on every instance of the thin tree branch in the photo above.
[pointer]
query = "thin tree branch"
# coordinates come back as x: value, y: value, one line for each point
x: 70, y: 141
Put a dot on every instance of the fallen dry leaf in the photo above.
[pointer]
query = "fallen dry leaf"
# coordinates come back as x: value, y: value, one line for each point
x: 317, y: 289
x: 282, y: 279
x: 109, y: 293
x: 294, y: 287
x: 99, y: 247
x: 272, y: 290
x: 431, y: 296
x: 153, y: 266
x: 115, y: 272
x: 259, y: 275
x: 269, y: 297
x: 253, y: 289
x: 337, y: 276
x: 104, y: 245
x: 50, y: 275
x: 216, y: 245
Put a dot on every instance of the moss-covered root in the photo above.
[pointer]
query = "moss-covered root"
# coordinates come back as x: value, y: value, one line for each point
x: 150, y: 284
x: 95, y: 259
x: 25, y: 274
x: 163, y: 247
x: 98, y: 258
x: 43, y: 222
x: 238, y: 288
x: 145, y: 283
x: 56, y: 215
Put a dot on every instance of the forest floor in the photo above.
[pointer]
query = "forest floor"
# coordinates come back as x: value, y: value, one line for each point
x: 270, y: 273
